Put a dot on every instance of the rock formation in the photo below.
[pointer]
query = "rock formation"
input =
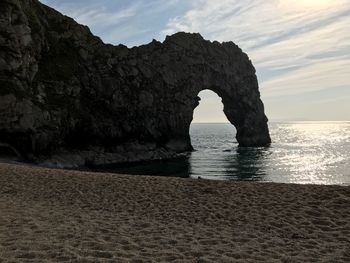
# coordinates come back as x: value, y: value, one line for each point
x: 65, y: 95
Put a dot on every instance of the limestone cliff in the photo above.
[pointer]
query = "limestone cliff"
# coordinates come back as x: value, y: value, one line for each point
x: 63, y: 92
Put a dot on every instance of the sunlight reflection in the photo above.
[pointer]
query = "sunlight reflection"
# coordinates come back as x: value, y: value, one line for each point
x: 301, y: 152
x: 313, y: 150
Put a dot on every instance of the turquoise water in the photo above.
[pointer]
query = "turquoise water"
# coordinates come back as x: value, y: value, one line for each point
x: 301, y: 152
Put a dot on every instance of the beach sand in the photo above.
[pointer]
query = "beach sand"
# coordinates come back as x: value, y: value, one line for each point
x: 66, y: 216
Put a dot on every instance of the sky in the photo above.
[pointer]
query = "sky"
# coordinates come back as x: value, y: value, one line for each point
x: 300, y: 48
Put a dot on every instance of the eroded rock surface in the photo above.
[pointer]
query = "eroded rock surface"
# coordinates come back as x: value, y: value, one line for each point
x: 67, y: 96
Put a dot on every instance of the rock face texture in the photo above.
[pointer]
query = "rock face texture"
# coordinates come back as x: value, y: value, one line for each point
x: 63, y: 92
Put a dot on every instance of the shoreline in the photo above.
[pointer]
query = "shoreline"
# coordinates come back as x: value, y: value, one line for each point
x: 109, y: 170
x: 73, y: 216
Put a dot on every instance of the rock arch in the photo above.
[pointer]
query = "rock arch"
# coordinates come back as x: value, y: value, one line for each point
x: 223, y: 69
x: 8, y: 152
x: 63, y: 91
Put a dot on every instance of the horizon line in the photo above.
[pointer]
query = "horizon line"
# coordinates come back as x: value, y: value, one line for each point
x: 276, y: 121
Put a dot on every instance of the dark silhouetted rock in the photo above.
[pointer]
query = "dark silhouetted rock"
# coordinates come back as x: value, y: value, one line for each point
x: 66, y: 98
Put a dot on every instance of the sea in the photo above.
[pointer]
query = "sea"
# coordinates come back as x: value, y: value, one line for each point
x: 300, y: 153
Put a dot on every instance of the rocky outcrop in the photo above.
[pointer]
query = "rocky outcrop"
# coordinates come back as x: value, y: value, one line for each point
x: 63, y: 92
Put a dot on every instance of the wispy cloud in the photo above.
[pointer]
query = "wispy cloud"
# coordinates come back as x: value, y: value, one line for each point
x: 128, y: 22
x: 296, y: 47
x: 317, y: 76
x: 101, y: 16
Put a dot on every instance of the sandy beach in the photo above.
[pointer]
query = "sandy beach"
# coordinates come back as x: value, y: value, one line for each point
x: 66, y: 216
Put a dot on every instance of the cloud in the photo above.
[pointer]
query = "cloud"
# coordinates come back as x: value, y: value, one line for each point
x: 128, y: 22
x: 101, y: 16
x: 295, y: 48
x: 317, y: 76
x: 298, y: 47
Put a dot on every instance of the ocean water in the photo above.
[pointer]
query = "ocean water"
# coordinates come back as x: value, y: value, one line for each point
x: 301, y: 152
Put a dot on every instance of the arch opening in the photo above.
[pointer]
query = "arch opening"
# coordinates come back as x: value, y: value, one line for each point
x: 210, y: 108
x: 210, y: 126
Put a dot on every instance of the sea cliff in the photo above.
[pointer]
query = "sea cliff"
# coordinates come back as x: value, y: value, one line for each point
x: 67, y: 99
